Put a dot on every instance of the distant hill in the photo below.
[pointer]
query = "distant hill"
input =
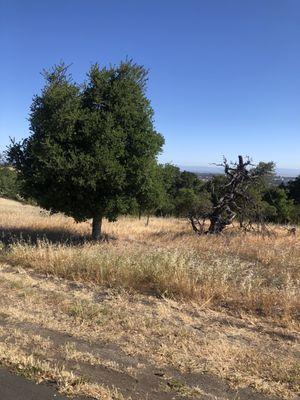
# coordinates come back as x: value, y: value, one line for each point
x: 212, y: 169
x: 284, y: 175
x: 288, y: 172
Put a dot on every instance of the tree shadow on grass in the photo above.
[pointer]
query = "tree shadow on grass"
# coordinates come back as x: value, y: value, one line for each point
x: 30, y: 236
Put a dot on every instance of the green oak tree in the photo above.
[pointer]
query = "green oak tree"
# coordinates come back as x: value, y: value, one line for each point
x: 90, y: 144
x: 152, y: 194
x: 170, y: 175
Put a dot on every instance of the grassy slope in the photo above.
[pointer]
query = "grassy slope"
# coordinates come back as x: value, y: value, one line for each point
x: 84, y: 316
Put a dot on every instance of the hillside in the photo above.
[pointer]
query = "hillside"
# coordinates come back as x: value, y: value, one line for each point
x: 153, y: 312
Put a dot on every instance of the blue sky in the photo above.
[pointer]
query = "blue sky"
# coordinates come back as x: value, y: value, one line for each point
x: 224, y: 74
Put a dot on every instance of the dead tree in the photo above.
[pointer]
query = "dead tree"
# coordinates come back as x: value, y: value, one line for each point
x: 228, y: 199
x: 198, y: 224
x: 225, y: 207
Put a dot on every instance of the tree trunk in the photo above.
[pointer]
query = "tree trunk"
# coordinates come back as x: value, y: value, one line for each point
x: 97, y: 224
x: 148, y: 217
x: 216, y: 225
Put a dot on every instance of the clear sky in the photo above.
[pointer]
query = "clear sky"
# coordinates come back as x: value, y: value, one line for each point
x: 224, y: 74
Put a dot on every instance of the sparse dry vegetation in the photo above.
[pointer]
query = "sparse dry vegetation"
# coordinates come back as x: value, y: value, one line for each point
x: 153, y: 311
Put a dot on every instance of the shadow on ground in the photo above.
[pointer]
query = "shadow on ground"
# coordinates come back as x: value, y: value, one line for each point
x: 52, y: 236
x: 14, y: 387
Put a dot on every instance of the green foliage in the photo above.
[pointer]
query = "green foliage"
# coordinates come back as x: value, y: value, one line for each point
x: 265, y: 172
x: 151, y: 195
x: 282, y: 207
x: 189, y: 180
x: 173, y: 181
x: 170, y: 176
x: 191, y: 204
x: 91, y: 146
x: 293, y: 188
x: 295, y: 214
x: 251, y: 205
x: 9, y: 184
x: 265, y: 201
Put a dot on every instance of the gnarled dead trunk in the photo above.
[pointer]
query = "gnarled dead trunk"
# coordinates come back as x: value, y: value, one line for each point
x: 223, y: 213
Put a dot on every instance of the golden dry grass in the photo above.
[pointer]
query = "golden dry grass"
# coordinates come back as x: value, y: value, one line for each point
x: 241, y: 272
x: 226, y: 306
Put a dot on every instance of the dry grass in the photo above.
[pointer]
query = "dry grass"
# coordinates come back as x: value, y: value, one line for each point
x: 243, y: 273
x: 52, y: 326
x: 226, y: 306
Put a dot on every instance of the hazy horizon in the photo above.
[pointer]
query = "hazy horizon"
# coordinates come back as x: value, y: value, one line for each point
x: 284, y: 172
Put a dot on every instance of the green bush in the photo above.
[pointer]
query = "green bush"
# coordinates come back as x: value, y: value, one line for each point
x: 9, y: 184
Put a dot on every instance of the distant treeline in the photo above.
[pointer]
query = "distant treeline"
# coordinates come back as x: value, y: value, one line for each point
x: 182, y: 193
x: 172, y: 192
